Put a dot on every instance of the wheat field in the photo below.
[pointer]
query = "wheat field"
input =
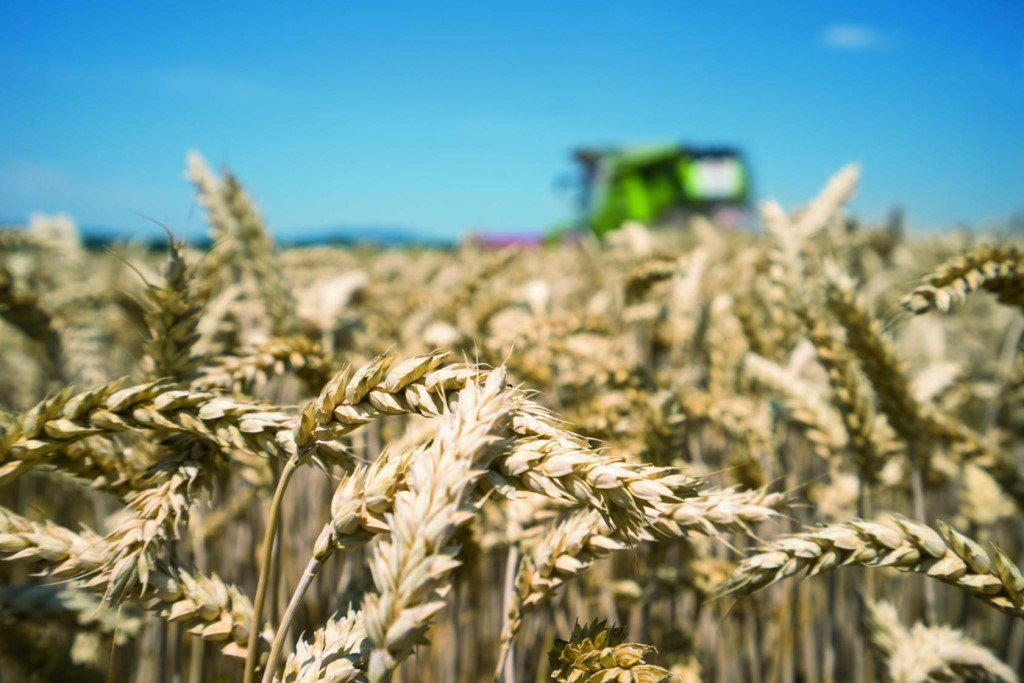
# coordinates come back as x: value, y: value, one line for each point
x: 690, y: 455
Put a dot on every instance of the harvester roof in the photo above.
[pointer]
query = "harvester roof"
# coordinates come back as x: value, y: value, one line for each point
x: 645, y: 155
x: 628, y: 156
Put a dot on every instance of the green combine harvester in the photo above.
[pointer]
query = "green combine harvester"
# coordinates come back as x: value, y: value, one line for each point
x: 657, y: 186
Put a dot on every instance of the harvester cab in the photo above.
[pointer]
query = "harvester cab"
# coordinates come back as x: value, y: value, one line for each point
x: 658, y: 186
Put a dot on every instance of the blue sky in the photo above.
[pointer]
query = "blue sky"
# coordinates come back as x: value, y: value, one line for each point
x: 448, y: 116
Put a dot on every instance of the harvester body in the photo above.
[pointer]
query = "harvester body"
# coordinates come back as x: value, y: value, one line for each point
x: 652, y: 185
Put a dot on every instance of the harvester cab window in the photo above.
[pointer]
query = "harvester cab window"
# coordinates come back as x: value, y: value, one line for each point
x: 713, y: 179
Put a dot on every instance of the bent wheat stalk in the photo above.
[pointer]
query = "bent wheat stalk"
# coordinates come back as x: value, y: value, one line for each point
x: 946, y: 555
x: 204, y: 605
x: 577, y: 542
x: 157, y: 406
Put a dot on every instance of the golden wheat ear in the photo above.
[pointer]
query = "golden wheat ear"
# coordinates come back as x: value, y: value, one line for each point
x: 597, y: 652
x: 931, y: 652
x: 998, y: 270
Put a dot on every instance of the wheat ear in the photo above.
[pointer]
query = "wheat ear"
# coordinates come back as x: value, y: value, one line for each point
x: 596, y: 652
x: 848, y: 396
x: 931, y: 653
x: 547, y: 457
x: 995, y: 269
x: 337, y: 652
x: 804, y: 405
x: 411, y: 566
x: 172, y: 311
x: 158, y: 406
x: 884, y: 369
x: 252, y: 368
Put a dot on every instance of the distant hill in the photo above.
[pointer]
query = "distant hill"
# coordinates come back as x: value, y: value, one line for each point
x: 380, y: 235
x: 341, y: 234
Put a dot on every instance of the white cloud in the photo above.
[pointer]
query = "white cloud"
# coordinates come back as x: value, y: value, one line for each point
x: 855, y: 37
x: 203, y: 83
